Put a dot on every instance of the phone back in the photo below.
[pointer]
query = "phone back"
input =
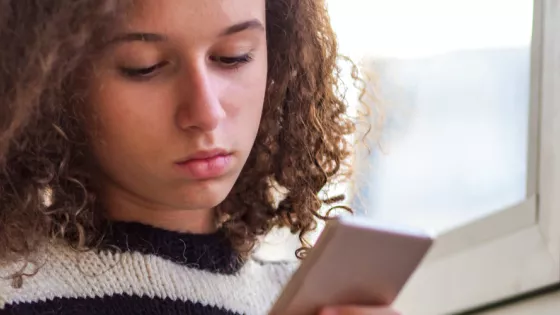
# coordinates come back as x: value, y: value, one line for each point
x: 353, y: 263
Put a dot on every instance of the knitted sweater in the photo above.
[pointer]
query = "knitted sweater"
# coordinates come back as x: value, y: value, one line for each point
x: 145, y: 270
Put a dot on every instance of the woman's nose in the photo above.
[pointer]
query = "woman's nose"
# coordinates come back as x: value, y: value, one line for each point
x: 200, y: 107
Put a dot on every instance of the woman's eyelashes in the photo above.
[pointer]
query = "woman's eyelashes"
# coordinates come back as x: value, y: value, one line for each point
x: 232, y: 62
x: 143, y: 72
x: 225, y: 62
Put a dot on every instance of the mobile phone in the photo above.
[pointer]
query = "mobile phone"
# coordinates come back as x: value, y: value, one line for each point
x: 354, y: 262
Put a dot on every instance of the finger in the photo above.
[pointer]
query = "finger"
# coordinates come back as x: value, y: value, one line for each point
x: 358, y: 310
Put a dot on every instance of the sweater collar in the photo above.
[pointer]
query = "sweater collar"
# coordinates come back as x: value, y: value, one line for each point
x: 211, y: 252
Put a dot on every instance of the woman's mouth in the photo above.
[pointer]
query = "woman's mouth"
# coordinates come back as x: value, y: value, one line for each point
x: 206, y: 164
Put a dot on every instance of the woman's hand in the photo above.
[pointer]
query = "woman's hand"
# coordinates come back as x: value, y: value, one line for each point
x: 358, y: 310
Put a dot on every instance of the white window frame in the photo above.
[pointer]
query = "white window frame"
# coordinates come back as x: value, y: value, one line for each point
x: 516, y: 250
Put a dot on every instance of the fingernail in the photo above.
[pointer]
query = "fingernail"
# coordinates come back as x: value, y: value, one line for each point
x: 329, y: 311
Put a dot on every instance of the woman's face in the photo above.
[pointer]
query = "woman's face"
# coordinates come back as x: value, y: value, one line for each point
x: 177, y: 98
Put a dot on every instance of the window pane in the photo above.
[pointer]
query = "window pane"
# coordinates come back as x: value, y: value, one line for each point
x: 453, y: 81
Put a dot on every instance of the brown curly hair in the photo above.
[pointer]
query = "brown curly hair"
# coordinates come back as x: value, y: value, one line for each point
x: 300, y: 147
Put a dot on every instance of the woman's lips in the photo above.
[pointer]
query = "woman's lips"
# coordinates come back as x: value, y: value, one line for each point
x: 206, y: 164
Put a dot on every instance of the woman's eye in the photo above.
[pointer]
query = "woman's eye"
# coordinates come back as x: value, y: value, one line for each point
x: 144, y: 72
x: 232, y: 62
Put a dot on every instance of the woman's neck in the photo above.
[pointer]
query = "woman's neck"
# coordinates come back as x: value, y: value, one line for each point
x: 123, y: 206
x: 193, y: 221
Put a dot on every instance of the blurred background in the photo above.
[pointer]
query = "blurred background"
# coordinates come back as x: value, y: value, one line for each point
x: 451, y: 80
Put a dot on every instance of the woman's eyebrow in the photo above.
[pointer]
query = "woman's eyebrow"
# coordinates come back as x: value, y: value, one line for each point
x: 155, y: 37
x: 243, y: 26
x: 138, y: 36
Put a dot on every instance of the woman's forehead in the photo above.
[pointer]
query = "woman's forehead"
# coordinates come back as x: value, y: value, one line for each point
x: 196, y: 17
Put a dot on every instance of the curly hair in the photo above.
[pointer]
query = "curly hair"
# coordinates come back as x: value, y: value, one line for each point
x: 46, y: 192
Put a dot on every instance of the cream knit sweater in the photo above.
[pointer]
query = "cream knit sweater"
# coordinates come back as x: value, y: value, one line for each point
x: 145, y: 270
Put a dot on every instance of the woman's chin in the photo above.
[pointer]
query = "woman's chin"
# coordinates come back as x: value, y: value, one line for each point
x: 207, y: 198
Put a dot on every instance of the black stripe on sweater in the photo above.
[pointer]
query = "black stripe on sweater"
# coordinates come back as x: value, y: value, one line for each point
x: 115, y: 304
x: 211, y: 252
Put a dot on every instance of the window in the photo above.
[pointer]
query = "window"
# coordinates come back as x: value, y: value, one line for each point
x: 456, y: 98
x: 470, y: 145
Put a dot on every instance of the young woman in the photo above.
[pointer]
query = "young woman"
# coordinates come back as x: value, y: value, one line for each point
x: 140, y: 144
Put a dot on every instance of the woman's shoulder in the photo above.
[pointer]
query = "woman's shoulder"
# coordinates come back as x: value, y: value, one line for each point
x: 25, y: 279
x: 276, y: 261
x: 280, y: 268
x: 12, y: 276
